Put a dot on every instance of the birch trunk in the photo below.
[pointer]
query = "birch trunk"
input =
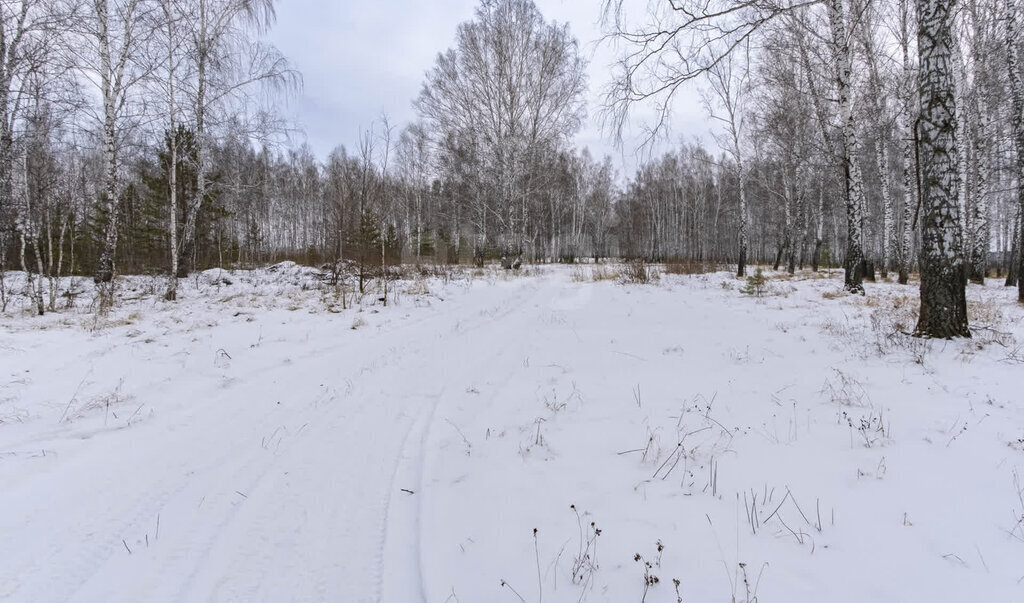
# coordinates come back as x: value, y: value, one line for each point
x: 3, y: 268
x: 854, y: 262
x: 963, y: 137
x: 105, y: 267
x: 943, y: 278
x: 172, y: 177
x: 879, y: 112
x: 741, y: 269
x: 55, y: 282
x: 822, y: 119
x: 27, y: 235
x: 1013, y: 265
x: 980, y: 225
x: 819, y: 230
x: 202, y: 49
x: 907, y: 119
x: 1017, y: 122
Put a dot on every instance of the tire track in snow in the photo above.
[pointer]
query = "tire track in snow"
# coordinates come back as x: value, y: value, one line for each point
x: 402, y: 574
x: 210, y: 446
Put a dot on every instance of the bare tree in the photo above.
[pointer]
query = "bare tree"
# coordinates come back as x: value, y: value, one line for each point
x: 729, y: 83
x: 1017, y: 123
x: 680, y: 41
x: 172, y: 16
x: 943, y: 277
x: 226, y: 65
x: 879, y: 119
x: 414, y: 159
x: 27, y: 28
x: 115, y: 33
x: 907, y: 121
x: 850, y: 159
x: 511, y: 90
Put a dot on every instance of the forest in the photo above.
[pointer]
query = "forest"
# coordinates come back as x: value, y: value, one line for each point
x: 534, y: 336
x: 146, y: 137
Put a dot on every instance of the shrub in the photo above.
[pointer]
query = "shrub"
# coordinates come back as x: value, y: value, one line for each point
x: 637, y: 272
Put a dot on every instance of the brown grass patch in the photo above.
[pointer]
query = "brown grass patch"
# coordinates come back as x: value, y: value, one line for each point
x: 690, y: 267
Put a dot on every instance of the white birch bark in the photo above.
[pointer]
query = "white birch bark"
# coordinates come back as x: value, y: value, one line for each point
x: 854, y: 261
x: 1017, y: 123
x: 943, y: 278
x: 172, y: 177
x: 907, y: 119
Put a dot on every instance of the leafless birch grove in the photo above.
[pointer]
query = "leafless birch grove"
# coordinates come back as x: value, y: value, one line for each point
x: 879, y: 137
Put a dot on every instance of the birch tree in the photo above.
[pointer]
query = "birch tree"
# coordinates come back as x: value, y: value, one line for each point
x: 172, y: 16
x: 908, y: 137
x: 413, y: 156
x: 728, y: 84
x: 27, y: 28
x: 226, y: 63
x: 854, y: 182
x: 510, y: 91
x: 1017, y: 123
x: 943, y: 277
x: 979, y: 114
x: 116, y: 33
x: 679, y: 41
x: 879, y: 119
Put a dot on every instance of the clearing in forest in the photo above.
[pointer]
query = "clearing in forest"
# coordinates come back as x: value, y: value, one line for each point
x: 556, y: 434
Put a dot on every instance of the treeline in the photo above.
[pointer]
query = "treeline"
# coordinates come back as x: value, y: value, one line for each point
x: 820, y: 103
x: 120, y: 124
x: 140, y: 139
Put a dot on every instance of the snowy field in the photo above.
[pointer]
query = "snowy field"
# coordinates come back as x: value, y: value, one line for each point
x: 549, y: 435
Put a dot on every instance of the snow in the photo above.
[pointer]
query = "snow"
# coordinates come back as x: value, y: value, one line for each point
x: 262, y: 439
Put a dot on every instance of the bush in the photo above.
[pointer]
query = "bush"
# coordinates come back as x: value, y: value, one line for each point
x: 637, y: 272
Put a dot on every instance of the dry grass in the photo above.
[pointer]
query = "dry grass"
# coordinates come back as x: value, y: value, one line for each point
x: 602, y: 273
x: 417, y: 286
x: 836, y: 328
x: 988, y: 322
x: 691, y: 267
x: 595, y: 274
x: 108, y: 403
x: 638, y: 273
x: 812, y: 275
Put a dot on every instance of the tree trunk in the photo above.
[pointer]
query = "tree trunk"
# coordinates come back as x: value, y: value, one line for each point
x: 888, y: 232
x: 980, y: 229
x: 853, y: 184
x: 3, y: 268
x: 1017, y: 121
x: 877, y: 102
x: 26, y: 235
x: 907, y: 119
x: 741, y: 269
x: 943, y: 277
x: 188, y: 242
x: 172, y: 176
x: 65, y: 223
x: 1013, y: 264
x: 105, y: 267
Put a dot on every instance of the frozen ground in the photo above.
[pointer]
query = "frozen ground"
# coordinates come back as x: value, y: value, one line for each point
x: 258, y: 441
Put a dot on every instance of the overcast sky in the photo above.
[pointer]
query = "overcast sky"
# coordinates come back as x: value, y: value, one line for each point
x: 360, y: 59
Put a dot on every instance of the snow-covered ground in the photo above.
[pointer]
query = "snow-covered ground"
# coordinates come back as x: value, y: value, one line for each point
x: 489, y: 436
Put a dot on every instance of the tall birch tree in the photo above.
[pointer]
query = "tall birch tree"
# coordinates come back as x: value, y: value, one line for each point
x: 1013, y: 31
x: 943, y: 276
